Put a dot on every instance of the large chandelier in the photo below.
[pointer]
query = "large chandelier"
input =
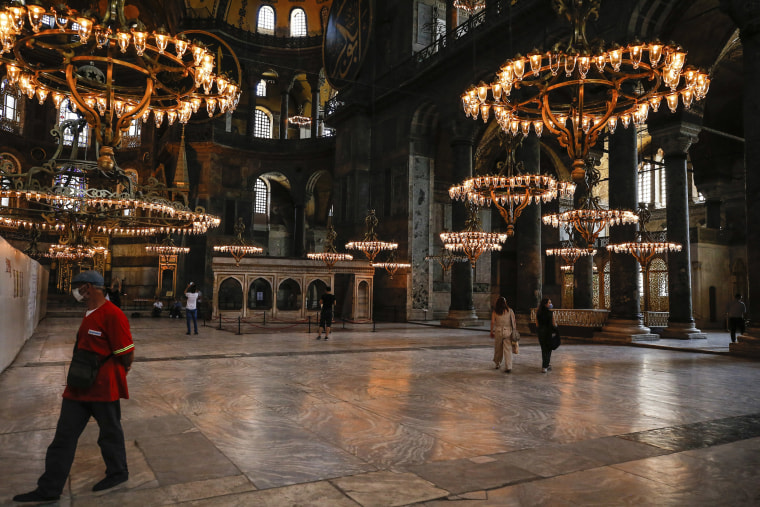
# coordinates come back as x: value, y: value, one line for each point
x: 577, y: 92
x: 391, y: 265
x: 115, y: 72
x: 370, y: 245
x: 469, y: 6
x: 167, y: 250
x: 570, y: 253
x: 238, y: 248
x: 299, y: 120
x: 473, y: 241
x: 645, y: 249
x: 330, y: 255
x: 590, y: 219
x: 512, y: 192
x: 446, y: 259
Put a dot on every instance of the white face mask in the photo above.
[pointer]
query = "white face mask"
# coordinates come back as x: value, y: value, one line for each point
x: 77, y: 295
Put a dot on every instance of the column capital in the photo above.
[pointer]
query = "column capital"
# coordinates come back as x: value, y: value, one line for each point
x: 675, y: 137
x: 746, y: 15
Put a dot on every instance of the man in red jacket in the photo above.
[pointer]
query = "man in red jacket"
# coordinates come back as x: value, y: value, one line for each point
x: 105, y: 331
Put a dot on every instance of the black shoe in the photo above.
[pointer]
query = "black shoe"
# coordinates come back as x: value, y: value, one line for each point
x: 507, y: 371
x: 318, y: 337
x: 195, y: 332
x: 188, y: 332
x: 549, y: 368
x: 35, y: 496
x: 326, y: 338
x: 110, y: 482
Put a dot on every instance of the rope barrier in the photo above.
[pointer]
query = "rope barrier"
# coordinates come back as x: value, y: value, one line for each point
x: 247, y: 325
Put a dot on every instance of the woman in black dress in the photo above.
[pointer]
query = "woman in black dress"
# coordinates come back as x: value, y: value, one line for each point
x: 545, y: 324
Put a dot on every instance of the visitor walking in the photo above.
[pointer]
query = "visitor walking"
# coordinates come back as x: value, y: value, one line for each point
x: 546, y: 325
x: 502, y: 326
x: 327, y: 301
x: 191, y: 308
x: 735, y: 313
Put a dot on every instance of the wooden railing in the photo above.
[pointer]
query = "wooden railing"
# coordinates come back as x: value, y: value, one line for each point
x: 577, y: 318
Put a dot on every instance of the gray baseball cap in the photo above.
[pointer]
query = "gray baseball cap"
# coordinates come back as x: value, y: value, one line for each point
x: 91, y: 276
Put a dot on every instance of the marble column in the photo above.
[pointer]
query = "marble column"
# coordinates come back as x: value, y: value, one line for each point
x: 528, y: 236
x: 299, y: 231
x: 462, y: 309
x: 625, y: 322
x: 674, y: 137
x: 747, y: 17
x: 284, y: 114
x: 583, y: 271
x: 314, y: 83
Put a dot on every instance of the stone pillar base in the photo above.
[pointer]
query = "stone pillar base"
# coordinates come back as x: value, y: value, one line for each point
x: 683, y: 331
x: 747, y: 344
x: 460, y: 318
x: 523, y: 323
x: 625, y: 331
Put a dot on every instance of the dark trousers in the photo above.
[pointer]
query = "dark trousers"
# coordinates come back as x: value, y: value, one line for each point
x: 71, y: 424
x: 546, y: 349
x: 734, y: 324
x: 192, y: 314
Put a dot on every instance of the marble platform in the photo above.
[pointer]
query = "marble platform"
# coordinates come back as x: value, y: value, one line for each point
x: 404, y: 415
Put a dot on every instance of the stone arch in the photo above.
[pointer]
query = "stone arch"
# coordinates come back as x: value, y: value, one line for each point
x: 289, y: 295
x: 230, y: 295
x: 314, y: 292
x: 363, y: 300
x: 319, y: 198
x: 260, y: 295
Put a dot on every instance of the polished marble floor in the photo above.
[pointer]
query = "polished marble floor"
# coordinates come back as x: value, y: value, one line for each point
x: 404, y: 415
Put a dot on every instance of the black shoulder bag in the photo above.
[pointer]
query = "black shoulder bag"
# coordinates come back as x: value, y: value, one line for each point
x: 84, y: 367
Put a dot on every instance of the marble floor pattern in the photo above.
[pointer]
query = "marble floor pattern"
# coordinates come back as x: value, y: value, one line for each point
x: 405, y: 415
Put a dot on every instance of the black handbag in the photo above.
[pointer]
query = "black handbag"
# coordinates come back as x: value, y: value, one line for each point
x: 555, y: 341
x: 84, y: 367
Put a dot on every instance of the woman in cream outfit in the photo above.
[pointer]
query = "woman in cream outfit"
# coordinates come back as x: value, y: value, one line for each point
x: 502, y: 324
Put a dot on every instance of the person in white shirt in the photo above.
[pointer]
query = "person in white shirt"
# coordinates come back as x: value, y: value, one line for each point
x: 191, y: 309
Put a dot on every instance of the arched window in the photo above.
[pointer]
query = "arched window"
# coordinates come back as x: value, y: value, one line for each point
x: 260, y: 295
x: 64, y: 114
x: 73, y: 181
x: 11, y: 103
x: 265, y: 22
x: 261, y: 89
x: 261, y: 195
x: 298, y: 23
x: 8, y: 165
x: 263, y: 126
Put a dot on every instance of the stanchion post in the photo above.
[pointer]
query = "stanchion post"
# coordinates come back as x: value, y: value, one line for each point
x: 373, y: 326
x: 220, y: 321
x: 264, y: 321
x: 309, y: 331
x: 238, y: 324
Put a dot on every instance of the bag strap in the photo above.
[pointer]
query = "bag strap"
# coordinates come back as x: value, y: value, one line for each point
x: 101, y: 361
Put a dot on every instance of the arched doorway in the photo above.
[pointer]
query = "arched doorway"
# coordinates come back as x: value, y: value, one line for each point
x: 230, y: 295
x: 314, y: 293
x: 260, y: 295
x: 289, y: 295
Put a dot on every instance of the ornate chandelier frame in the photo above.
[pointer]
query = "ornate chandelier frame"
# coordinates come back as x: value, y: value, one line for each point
x: 113, y: 71
x: 167, y: 249
x: 512, y: 192
x: 469, y: 6
x: 330, y: 255
x: 391, y: 265
x: 578, y: 92
x: 239, y: 248
x: 299, y: 119
x: 473, y: 241
x: 590, y: 219
x: 370, y: 245
x: 75, y: 199
x: 645, y: 249
x: 446, y: 259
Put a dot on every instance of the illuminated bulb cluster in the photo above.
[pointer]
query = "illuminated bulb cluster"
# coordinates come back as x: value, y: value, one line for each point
x: 473, y: 243
x: 511, y: 194
x: 590, y: 221
x: 644, y: 251
x: 371, y: 248
x: 75, y: 252
x: 570, y: 254
x: 85, y: 48
x: 665, y: 67
x: 469, y: 6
